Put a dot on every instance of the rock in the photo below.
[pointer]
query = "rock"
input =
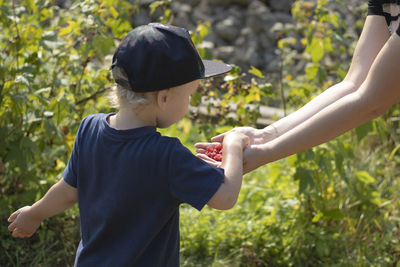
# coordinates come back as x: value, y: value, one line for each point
x: 224, y: 53
x: 242, y: 31
x: 281, y: 5
x: 192, y: 3
x: 259, y: 17
x: 273, y: 63
x: 230, y: 2
x: 227, y: 29
x: 141, y: 18
x: 182, y: 15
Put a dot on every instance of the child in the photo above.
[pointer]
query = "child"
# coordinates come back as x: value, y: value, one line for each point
x: 128, y: 179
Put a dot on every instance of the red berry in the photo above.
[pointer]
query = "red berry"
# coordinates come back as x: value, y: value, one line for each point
x: 218, y: 157
x: 218, y: 147
x: 210, y: 149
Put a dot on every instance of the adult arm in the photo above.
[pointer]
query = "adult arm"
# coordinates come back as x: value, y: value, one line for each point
x: 373, y: 37
x: 26, y: 220
x: 378, y: 92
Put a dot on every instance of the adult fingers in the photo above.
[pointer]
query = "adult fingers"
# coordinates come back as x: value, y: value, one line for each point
x: 201, y: 145
x: 219, y: 138
x: 201, y: 150
x: 205, y: 145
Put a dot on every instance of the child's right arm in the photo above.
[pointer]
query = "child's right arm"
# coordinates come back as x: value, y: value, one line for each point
x: 232, y: 163
x: 26, y: 220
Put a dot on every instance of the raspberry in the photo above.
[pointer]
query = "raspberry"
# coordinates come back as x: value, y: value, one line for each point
x: 218, y: 147
x: 214, y: 152
x: 218, y: 157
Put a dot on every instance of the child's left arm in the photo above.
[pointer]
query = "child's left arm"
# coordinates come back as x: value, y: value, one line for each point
x: 26, y: 220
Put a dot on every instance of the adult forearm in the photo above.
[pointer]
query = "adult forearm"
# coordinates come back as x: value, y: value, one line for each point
x: 372, y: 39
x: 380, y: 90
x: 322, y: 127
x: 323, y: 100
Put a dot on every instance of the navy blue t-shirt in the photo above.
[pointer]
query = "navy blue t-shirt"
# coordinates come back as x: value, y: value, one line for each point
x: 130, y: 184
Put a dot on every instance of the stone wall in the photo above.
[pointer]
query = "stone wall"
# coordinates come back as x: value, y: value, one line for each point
x: 240, y: 29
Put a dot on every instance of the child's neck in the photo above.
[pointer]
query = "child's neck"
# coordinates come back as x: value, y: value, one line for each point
x: 127, y: 118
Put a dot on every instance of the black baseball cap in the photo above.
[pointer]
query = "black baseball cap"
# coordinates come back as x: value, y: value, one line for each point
x: 158, y: 56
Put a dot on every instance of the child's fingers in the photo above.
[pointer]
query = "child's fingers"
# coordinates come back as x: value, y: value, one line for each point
x: 17, y: 233
x: 12, y: 227
x: 13, y: 216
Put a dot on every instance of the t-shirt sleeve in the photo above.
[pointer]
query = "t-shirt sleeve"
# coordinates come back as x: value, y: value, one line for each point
x: 70, y: 171
x: 191, y: 179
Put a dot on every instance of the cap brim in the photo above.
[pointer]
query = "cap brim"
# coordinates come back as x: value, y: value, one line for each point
x: 214, y: 68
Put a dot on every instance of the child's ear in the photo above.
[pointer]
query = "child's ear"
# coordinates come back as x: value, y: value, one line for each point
x: 162, y: 98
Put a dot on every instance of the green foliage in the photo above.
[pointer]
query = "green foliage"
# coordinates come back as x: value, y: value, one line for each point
x: 333, y: 205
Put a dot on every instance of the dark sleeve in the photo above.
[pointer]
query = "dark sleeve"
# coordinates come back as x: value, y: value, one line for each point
x: 70, y: 172
x: 191, y: 179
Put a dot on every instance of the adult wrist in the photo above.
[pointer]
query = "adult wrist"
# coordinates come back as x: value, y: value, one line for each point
x: 269, y: 132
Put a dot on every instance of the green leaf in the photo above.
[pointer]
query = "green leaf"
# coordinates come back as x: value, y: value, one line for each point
x: 154, y: 5
x: 312, y: 71
x: 316, y: 49
x: 305, y: 177
x: 364, y: 177
x: 195, y: 99
x: 333, y: 214
x: 45, y: 13
x: 256, y: 72
x: 363, y: 130
x: 31, y: 6
x: 393, y: 152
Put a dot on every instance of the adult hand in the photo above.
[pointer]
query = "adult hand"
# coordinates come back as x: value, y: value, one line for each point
x: 201, y: 153
x: 256, y: 136
x: 253, y: 157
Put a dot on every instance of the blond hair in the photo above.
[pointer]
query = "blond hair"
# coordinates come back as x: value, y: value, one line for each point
x: 122, y: 94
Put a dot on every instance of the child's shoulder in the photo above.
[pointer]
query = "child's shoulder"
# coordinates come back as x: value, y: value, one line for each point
x: 174, y: 145
x: 174, y: 141
x: 92, y: 118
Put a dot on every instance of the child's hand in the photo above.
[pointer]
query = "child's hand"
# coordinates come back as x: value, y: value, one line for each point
x: 234, y: 137
x: 23, y: 223
x: 256, y: 137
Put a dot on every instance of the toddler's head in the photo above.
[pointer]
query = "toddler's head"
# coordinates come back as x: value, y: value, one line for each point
x: 155, y: 57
